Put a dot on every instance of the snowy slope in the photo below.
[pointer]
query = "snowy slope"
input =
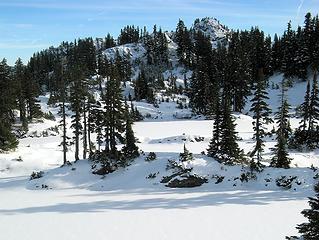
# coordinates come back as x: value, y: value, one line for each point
x: 211, y: 27
x: 127, y: 205
x: 133, y: 50
x: 72, y: 203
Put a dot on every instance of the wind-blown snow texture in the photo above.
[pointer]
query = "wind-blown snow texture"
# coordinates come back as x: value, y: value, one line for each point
x: 72, y: 203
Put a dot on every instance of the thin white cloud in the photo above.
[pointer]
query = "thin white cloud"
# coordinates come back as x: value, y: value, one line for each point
x: 299, y: 9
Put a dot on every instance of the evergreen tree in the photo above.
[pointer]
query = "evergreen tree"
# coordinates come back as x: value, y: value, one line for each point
x: 20, y: 92
x: 76, y: 103
x: 185, y: 155
x: 130, y: 149
x: 184, y: 42
x: 96, y: 122
x: 261, y: 115
x: 114, y: 112
x: 141, y: 88
x: 229, y: 152
x: 7, y: 104
x: 31, y: 92
x: 288, y: 48
x: 313, y: 111
x: 310, y: 230
x: 281, y: 157
x: 301, y: 60
x: 214, y: 144
x: 305, y: 110
x: 308, y: 39
x: 62, y: 112
x: 276, y: 54
x: 238, y: 73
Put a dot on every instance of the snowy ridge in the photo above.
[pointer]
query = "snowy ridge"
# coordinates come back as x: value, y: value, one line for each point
x: 212, y: 28
x: 133, y: 50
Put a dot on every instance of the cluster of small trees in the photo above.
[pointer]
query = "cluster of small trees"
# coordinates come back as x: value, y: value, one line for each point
x: 18, y: 91
x: 108, y: 116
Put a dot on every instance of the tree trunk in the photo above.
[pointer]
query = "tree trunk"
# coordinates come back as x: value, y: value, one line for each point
x: 84, y: 131
x: 64, y: 133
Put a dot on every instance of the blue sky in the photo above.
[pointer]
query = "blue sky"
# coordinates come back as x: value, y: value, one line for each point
x: 27, y: 26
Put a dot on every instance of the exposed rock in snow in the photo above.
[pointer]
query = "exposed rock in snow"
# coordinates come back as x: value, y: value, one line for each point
x: 212, y: 28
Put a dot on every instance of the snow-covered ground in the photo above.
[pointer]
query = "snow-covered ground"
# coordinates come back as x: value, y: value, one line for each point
x: 72, y: 203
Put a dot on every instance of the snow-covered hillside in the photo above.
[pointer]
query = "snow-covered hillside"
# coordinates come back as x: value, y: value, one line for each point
x: 72, y: 203
x: 210, y: 27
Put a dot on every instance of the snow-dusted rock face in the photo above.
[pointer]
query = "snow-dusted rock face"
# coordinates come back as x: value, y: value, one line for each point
x: 209, y: 26
x: 213, y: 28
x: 134, y: 50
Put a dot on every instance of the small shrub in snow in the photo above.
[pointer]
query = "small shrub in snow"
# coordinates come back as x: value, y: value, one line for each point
x: 293, y: 238
x: 180, y: 105
x: 187, y: 181
x: 186, y: 155
x: 199, y: 139
x: 285, y: 181
x: 36, y: 175
x: 152, y: 175
x: 155, y: 104
x: 166, y: 179
x: 19, y: 159
x: 104, y: 163
x: 246, y: 176
x: 150, y: 157
x: 256, y: 166
x: 313, y: 168
x: 218, y: 178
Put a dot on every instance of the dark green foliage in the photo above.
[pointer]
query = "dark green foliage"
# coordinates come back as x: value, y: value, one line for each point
x: 141, y: 88
x: 307, y: 133
x: 205, y: 81
x: 135, y: 113
x: 185, y: 155
x: 114, y: 112
x: 150, y: 157
x: 184, y: 42
x: 130, y: 150
x: 19, y: 81
x: 223, y: 146
x: 229, y: 151
x: 238, y: 72
x: 214, y: 144
x: 130, y: 34
x: 7, y: 104
x: 36, y: 175
x: 77, y: 93
x: 123, y: 67
x: 285, y: 181
x: 187, y: 181
x: 156, y: 48
x: 281, y: 157
x: 310, y: 230
x: 261, y: 115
